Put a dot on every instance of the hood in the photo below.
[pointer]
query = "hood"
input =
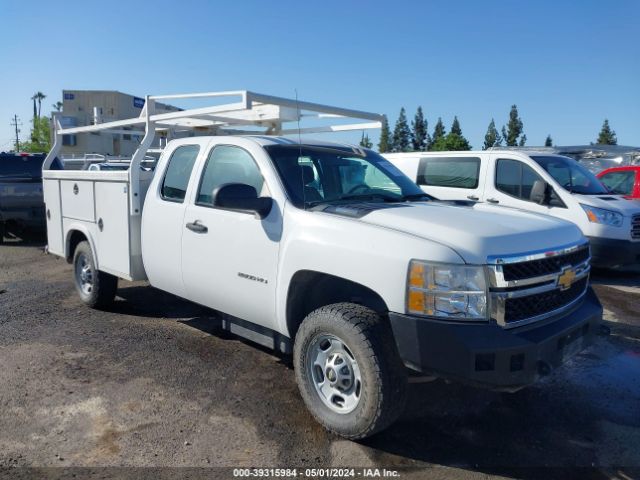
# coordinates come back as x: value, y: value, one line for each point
x: 626, y: 206
x: 475, y: 231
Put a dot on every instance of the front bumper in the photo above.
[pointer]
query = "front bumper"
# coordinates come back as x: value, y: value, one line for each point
x: 491, y: 356
x: 611, y: 253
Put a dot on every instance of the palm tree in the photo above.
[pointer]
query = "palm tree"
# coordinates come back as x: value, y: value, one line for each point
x: 58, y: 106
x: 35, y: 111
x: 40, y: 96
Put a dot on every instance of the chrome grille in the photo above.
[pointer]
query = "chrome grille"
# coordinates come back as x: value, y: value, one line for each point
x: 537, y: 285
x: 635, y: 227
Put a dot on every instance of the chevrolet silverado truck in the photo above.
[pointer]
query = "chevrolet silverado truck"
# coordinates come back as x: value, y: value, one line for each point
x: 328, y: 252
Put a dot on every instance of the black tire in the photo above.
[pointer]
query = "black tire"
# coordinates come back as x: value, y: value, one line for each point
x: 102, y: 286
x: 368, y: 337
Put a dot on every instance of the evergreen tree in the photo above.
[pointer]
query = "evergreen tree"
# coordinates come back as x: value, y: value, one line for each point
x: 606, y: 135
x: 455, y: 126
x: 365, y: 141
x: 492, y: 138
x: 383, y: 145
x: 438, y: 133
x: 548, y: 142
x: 419, y: 132
x: 401, y: 134
x: 523, y: 140
x: 513, y: 129
x: 451, y: 141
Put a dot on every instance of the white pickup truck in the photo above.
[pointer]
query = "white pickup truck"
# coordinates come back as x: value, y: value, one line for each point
x: 329, y: 252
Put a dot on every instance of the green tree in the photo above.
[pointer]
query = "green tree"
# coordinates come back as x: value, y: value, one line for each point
x: 383, y: 144
x: 58, y: 106
x: 419, y: 132
x: 451, y: 141
x: 523, y: 140
x: 365, y: 141
x: 40, y: 136
x: 401, y: 134
x: 514, y: 129
x: 606, y: 135
x: 438, y: 132
x: 455, y: 126
x: 492, y: 138
x: 548, y: 142
x: 40, y: 96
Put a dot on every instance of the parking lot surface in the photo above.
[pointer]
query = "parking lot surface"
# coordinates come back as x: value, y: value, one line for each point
x: 152, y: 382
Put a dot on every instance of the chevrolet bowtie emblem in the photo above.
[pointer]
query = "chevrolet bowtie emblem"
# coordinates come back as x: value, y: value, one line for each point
x: 566, y: 278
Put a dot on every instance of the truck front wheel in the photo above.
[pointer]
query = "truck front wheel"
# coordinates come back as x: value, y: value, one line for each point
x: 348, y: 370
x: 96, y: 289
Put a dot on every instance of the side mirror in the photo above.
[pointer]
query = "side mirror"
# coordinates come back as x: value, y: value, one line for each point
x: 241, y: 197
x: 540, y: 192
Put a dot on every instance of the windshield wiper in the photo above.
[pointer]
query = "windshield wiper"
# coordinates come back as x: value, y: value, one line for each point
x: 368, y: 196
x: 416, y: 196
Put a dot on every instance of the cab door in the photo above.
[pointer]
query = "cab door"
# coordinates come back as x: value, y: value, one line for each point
x: 229, y: 257
x: 509, y: 183
x: 452, y: 177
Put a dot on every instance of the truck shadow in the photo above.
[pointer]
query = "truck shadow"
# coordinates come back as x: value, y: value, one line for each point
x: 615, y: 278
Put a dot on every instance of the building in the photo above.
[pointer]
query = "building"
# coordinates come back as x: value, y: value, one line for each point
x: 88, y: 107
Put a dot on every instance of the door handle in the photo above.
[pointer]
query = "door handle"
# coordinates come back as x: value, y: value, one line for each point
x: 493, y: 200
x: 197, y: 227
x: 473, y: 197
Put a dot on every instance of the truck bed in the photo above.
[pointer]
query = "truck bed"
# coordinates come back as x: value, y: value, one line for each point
x: 97, y: 204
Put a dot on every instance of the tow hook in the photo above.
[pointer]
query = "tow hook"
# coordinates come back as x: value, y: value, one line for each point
x: 544, y: 368
x: 604, y: 330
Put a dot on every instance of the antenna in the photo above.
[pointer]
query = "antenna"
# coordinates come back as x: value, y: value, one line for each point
x: 304, y: 198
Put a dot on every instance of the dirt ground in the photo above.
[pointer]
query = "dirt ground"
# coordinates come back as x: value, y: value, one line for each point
x: 153, y: 383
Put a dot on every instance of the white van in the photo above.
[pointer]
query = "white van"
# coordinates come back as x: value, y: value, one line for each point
x: 537, y: 182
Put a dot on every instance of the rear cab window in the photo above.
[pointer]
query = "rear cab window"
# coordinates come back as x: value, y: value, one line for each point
x: 178, y: 172
x: 620, y: 182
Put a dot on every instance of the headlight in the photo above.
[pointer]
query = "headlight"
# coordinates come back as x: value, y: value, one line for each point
x: 448, y: 291
x: 605, y: 217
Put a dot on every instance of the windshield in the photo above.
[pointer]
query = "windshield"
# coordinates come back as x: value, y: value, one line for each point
x: 571, y: 175
x: 28, y: 166
x: 314, y: 175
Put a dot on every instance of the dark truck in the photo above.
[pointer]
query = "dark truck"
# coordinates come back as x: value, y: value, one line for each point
x: 21, y: 200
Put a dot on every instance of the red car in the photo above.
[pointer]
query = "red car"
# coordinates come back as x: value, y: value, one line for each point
x: 622, y: 180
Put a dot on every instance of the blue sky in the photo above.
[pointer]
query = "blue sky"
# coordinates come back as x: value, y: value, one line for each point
x: 567, y: 65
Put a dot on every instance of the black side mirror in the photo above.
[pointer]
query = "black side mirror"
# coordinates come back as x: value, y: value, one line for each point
x: 241, y: 197
x: 540, y: 192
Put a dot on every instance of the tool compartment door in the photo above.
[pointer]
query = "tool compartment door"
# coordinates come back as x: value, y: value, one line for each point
x: 53, y: 214
x: 112, y: 218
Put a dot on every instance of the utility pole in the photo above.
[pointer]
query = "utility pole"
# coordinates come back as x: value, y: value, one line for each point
x: 16, y: 123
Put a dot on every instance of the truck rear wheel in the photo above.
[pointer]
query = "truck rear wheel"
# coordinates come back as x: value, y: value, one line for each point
x: 348, y: 370
x: 96, y: 289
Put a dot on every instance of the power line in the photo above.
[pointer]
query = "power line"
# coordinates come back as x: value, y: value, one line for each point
x: 16, y: 123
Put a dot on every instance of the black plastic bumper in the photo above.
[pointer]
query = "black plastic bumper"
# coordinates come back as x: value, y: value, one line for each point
x: 610, y: 253
x: 492, y: 356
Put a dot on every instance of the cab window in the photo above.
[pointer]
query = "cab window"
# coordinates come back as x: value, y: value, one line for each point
x: 455, y: 172
x: 515, y: 178
x: 176, y: 178
x: 228, y: 164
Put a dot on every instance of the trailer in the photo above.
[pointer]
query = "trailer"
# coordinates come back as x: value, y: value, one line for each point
x: 106, y: 206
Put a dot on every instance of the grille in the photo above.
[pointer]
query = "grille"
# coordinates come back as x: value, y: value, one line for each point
x: 635, y: 227
x: 526, y: 307
x: 545, y: 266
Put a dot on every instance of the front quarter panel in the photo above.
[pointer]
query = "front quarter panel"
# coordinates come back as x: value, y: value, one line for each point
x: 370, y: 255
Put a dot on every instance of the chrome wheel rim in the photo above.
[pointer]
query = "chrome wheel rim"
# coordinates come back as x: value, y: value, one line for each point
x: 84, y: 274
x: 335, y: 373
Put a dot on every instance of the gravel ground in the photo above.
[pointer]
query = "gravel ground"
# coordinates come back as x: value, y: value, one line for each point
x: 153, y: 383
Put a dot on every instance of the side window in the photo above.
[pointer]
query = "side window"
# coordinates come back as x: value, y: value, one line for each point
x: 228, y: 164
x: 515, y: 178
x: 176, y: 178
x: 456, y: 172
x: 620, y: 183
